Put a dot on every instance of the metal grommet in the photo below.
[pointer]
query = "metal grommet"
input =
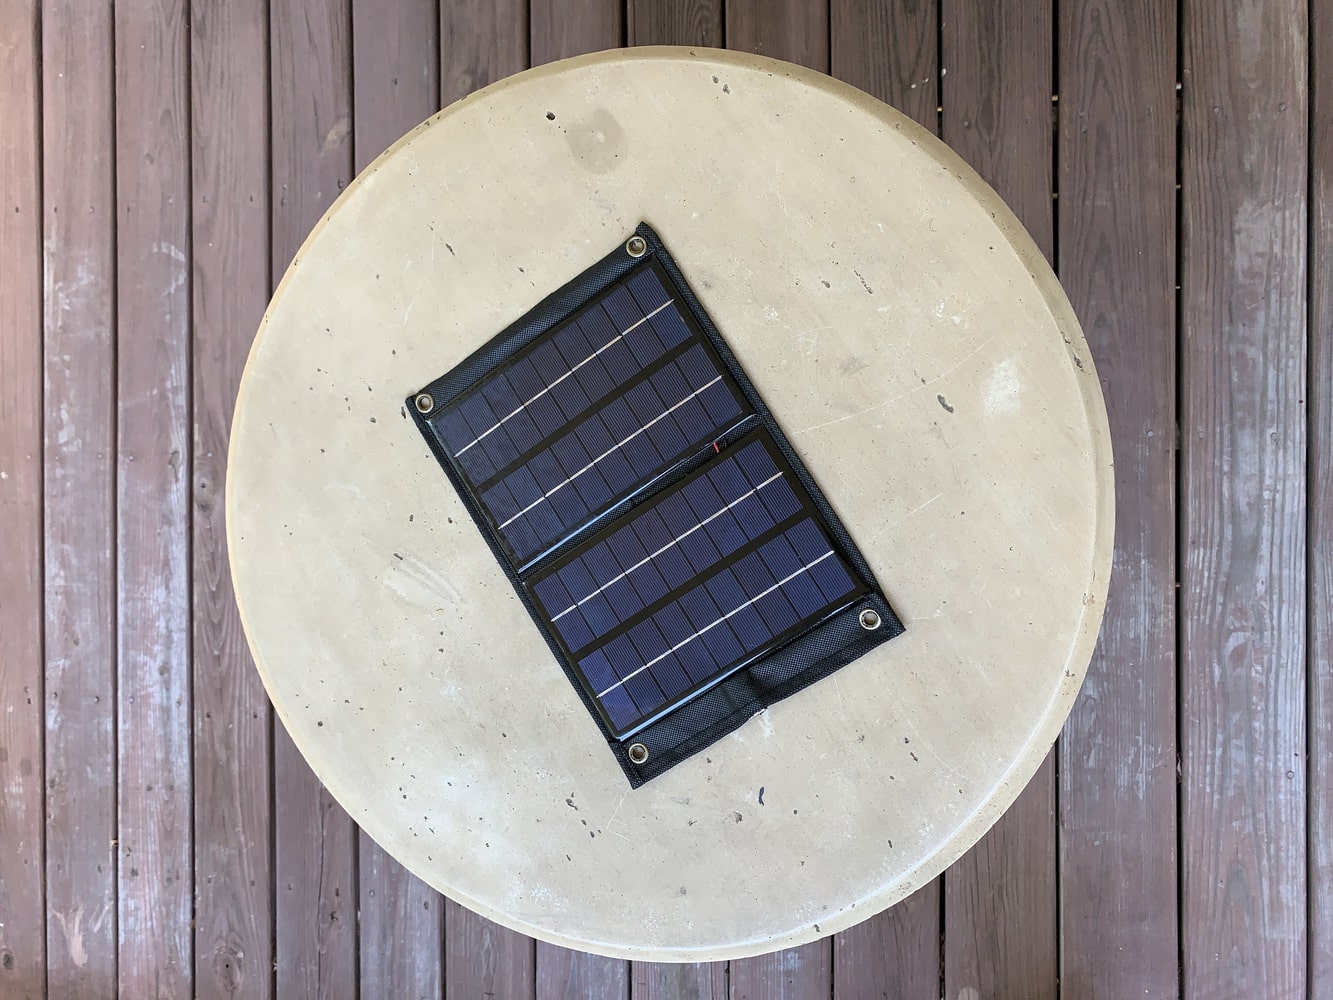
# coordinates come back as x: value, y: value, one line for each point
x: 869, y: 619
x: 638, y: 753
x: 425, y: 403
x: 636, y: 247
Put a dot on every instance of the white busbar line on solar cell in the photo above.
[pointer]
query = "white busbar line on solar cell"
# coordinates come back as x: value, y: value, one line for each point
x: 691, y: 638
x: 523, y: 406
x: 619, y: 444
x: 675, y: 541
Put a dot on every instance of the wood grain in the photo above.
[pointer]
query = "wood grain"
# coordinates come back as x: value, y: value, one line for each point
x: 674, y: 22
x: 687, y: 981
x: 563, y: 28
x: 797, y: 32
x: 22, y: 936
x: 793, y: 30
x: 154, y: 790
x: 896, y: 953
x: 78, y: 111
x: 232, y: 752
x: 890, y: 49
x: 1320, y: 409
x: 483, y: 959
x: 395, y: 68
x: 563, y: 974
x: 1243, y: 439
x: 1000, y: 898
x: 1117, y: 161
x: 315, y: 859
x: 481, y: 41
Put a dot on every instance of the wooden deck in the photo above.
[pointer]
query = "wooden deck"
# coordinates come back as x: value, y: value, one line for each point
x: 160, y: 163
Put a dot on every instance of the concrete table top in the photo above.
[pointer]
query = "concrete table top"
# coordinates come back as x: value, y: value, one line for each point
x: 916, y: 349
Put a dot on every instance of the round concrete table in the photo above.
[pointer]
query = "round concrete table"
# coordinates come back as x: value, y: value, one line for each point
x: 912, y: 343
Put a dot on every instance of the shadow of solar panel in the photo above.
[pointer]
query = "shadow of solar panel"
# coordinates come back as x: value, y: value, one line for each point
x: 681, y: 563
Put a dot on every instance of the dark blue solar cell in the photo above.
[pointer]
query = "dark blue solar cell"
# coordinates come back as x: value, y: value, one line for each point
x: 753, y: 574
x: 597, y: 668
x: 727, y: 593
x: 454, y: 429
x: 703, y: 498
x: 624, y: 599
x: 807, y: 540
x: 566, y: 505
x: 524, y: 537
x: 674, y: 567
x: 548, y: 362
x: 722, y: 643
x: 546, y: 415
x: 647, y: 290
x: 832, y: 578
x: 670, y: 327
x: 524, y: 378
x: 666, y: 436
x: 501, y: 502
x: 500, y: 397
x: 594, y: 378
x: 577, y: 580
x: 626, y: 547
x: 597, y: 612
x: 804, y: 594
x: 574, y: 629
x: 523, y: 486
x: 753, y: 516
x: 673, y: 623
x: 779, y: 499
x: 619, y: 420
x: 618, y: 472
x: 620, y: 363
x: 621, y: 307
x: 777, y: 611
x: 644, y: 403
x: 553, y: 594
x: 477, y: 464
x: 648, y: 640
x: 543, y: 520
x: 641, y: 455
x: 726, y: 533
x: 601, y: 564
x: 598, y: 328
x: 728, y: 479
x: 699, y: 608
x: 645, y: 692
x: 671, y: 385
x: 750, y: 628
x: 699, y: 550
x: 648, y: 583
x: 523, y: 431
x: 697, y: 367
x: 623, y: 656
x: 597, y: 440
x: 570, y: 453
x: 677, y: 514
x: 698, y: 662
x: 780, y: 557
x: 593, y: 489
x: 620, y: 707
x: 671, y: 676
x: 756, y: 463
x: 570, y: 397
x: 500, y: 450
x: 573, y: 345
x: 652, y: 530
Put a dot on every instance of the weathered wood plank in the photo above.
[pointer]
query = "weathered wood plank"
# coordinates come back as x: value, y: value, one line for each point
x: 23, y: 934
x: 78, y: 111
x: 563, y: 28
x: 481, y: 41
x: 563, y: 974
x: 783, y: 29
x: 483, y: 959
x: 1000, y: 899
x: 686, y: 981
x: 312, y: 161
x: 154, y: 792
x: 674, y: 22
x: 1117, y: 163
x: 890, y: 49
x: 232, y: 753
x: 893, y: 954
x: 395, y: 68
x: 1243, y: 437
x: 1320, y: 409
x: 797, y: 32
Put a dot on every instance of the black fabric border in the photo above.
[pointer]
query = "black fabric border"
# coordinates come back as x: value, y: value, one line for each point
x: 717, y: 711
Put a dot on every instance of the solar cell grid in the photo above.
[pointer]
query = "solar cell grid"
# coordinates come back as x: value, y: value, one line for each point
x: 691, y: 585
x: 611, y: 399
x: 650, y: 513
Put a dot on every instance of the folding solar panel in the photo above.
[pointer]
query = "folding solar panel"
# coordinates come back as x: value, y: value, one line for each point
x: 673, y: 551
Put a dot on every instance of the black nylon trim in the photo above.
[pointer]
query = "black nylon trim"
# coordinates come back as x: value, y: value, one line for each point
x: 709, y: 716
